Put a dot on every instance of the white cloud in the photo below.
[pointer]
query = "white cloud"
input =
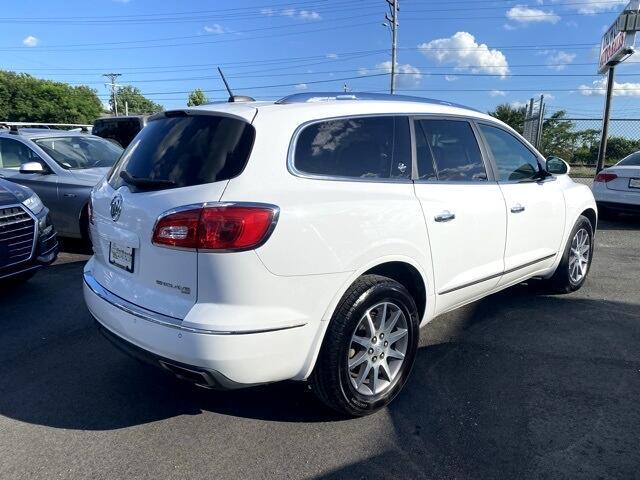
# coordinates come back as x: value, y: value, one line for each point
x: 309, y: 15
x: 519, y: 105
x: 215, y: 29
x: 462, y: 51
x: 30, y: 41
x: 590, y: 7
x: 301, y: 86
x: 122, y: 1
x: 524, y: 14
x: 598, y: 87
x: 409, y: 76
x: 497, y: 93
x: 450, y: 78
x: 558, y: 60
x: 332, y: 56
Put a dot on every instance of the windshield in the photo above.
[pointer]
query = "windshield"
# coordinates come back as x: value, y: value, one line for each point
x: 632, y: 160
x: 77, y: 153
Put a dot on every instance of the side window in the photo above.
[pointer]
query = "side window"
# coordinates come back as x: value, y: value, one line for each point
x: 14, y: 154
x: 366, y: 148
x: 514, y: 160
x: 448, y: 151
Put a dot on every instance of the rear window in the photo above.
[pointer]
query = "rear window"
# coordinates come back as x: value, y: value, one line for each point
x: 632, y: 160
x: 364, y: 148
x: 121, y: 130
x: 187, y: 150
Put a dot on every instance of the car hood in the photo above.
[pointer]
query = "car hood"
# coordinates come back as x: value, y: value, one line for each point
x: 11, y: 193
x: 90, y: 176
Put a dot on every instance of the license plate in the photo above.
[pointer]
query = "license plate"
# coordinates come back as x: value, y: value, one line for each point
x: 634, y: 183
x: 120, y: 256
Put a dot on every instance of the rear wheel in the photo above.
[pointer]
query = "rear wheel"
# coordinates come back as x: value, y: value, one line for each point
x: 369, y: 348
x: 576, y: 260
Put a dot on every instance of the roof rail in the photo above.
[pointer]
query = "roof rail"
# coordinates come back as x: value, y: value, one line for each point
x: 314, y: 97
x: 16, y: 125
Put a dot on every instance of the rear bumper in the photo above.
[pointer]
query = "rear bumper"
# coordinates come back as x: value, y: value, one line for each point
x: 213, y: 359
x: 620, y: 207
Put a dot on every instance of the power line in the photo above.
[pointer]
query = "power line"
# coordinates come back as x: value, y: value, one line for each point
x: 113, y: 77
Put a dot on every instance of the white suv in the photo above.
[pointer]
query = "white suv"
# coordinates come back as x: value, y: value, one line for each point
x: 309, y: 239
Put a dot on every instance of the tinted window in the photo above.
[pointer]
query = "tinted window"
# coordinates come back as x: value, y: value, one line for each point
x: 513, y: 159
x: 77, y: 153
x: 448, y: 151
x: 122, y: 130
x: 368, y: 148
x: 632, y: 160
x: 187, y: 150
x: 14, y: 154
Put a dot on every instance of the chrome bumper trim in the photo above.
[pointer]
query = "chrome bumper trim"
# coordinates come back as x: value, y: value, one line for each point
x: 158, y: 318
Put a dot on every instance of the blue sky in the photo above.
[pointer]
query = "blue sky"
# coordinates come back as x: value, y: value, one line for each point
x: 477, y: 52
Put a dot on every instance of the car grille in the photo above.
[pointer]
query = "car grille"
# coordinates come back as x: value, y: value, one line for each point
x: 17, y: 235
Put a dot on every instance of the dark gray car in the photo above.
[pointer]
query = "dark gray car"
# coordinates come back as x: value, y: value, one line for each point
x: 61, y: 167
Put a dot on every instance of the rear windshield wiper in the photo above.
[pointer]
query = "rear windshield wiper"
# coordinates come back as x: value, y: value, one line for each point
x: 146, y: 183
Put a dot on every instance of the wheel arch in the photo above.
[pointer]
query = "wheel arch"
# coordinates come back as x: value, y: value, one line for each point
x: 592, y: 216
x: 404, y: 270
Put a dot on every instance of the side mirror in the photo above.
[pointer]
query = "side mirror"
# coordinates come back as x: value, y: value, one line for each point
x: 557, y: 166
x: 32, y: 167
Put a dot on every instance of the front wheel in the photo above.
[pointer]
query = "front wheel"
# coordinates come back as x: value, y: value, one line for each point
x: 369, y: 348
x: 576, y: 260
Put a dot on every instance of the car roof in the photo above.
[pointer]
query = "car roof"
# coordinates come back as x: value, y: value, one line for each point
x: 310, y: 105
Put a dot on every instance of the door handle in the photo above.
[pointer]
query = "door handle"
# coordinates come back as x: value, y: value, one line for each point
x: 517, y: 208
x: 445, y: 216
x: 70, y: 195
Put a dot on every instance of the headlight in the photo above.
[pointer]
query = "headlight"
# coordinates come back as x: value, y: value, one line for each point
x: 34, y: 204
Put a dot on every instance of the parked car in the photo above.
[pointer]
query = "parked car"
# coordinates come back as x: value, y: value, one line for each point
x: 61, y: 167
x: 121, y: 130
x: 311, y: 238
x: 617, y: 189
x: 27, y: 237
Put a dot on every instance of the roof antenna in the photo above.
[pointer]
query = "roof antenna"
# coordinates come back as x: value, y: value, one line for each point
x: 233, y: 98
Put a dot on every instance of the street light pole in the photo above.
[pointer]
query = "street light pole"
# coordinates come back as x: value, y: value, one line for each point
x: 602, y: 152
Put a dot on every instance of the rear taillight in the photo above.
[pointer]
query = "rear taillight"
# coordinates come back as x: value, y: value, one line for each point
x: 605, y: 177
x: 226, y: 227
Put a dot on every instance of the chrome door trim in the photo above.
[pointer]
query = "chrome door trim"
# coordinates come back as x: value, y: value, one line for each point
x: 491, y: 277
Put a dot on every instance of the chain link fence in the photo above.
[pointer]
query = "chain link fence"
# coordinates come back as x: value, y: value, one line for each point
x: 577, y: 140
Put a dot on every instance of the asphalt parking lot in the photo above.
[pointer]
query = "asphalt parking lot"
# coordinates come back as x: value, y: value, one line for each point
x: 519, y: 385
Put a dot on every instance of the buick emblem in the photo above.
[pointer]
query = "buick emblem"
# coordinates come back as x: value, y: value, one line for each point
x: 116, y: 207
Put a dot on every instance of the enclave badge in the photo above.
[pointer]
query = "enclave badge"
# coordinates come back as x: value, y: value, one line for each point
x: 116, y: 207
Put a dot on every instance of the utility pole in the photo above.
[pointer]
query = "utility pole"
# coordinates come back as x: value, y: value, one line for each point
x: 112, y: 84
x: 394, y: 8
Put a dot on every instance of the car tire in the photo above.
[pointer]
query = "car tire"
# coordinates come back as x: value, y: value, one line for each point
x: 570, y: 277
x: 354, y: 377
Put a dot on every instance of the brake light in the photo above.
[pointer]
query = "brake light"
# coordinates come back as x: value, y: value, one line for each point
x: 605, y: 177
x: 227, y: 227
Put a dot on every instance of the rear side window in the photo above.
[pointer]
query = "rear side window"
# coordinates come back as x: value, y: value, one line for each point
x: 632, y: 160
x: 183, y: 151
x: 448, y: 151
x: 364, y: 148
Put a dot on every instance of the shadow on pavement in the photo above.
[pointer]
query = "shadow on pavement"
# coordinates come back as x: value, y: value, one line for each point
x: 622, y: 221
x: 516, y: 382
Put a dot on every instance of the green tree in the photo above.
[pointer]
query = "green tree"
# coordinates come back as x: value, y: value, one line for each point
x: 558, y: 136
x: 24, y: 98
x: 512, y: 116
x: 197, y: 97
x: 136, y: 101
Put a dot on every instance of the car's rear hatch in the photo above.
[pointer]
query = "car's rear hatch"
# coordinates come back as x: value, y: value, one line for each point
x: 180, y: 159
x: 628, y: 179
